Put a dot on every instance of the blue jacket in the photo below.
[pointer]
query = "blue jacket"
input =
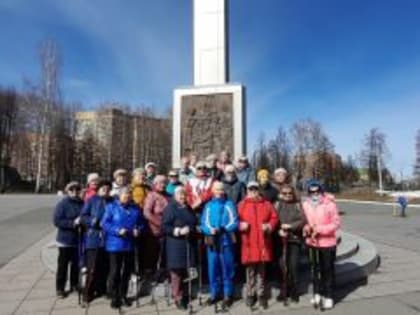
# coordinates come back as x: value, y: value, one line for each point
x: 220, y: 214
x: 66, y: 211
x: 246, y: 175
x: 92, y: 214
x: 117, y: 217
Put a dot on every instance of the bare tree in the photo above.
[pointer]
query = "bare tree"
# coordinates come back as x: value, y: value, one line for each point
x: 374, y: 155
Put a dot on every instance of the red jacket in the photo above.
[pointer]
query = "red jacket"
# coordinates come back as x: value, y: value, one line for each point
x: 256, y: 246
x: 199, y: 188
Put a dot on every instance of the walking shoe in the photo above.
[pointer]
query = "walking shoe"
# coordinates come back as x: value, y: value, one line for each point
x: 226, y: 304
x: 251, y: 300
x: 61, y: 294
x: 127, y: 302
x: 295, y: 298
x: 115, y: 303
x: 316, y: 300
x: 211, y: 301
x: 263, y: 302
x: 327, y: 303
x: 181, y: 305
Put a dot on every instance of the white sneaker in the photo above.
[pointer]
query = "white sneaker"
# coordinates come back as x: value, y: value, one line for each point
x: 327, y: 303
x: 316, y: 300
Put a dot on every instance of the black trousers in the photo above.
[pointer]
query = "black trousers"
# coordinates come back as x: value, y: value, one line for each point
x: 323, y: 270
x: 98, y: 268
x: 292, y: 261
x: 67, y: 256
x: 121, y: 267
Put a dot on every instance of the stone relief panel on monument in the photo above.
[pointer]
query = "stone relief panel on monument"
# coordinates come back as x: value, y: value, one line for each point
x: 207, y: 124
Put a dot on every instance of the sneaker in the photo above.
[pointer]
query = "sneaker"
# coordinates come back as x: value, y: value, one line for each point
x: 61, y: 294
x: 181, y: 305
x: 327, y: 303
x: 251, y: 300
x: 316, y: 300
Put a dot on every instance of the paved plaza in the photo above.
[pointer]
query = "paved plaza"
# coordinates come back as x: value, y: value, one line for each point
x: 27, y: 285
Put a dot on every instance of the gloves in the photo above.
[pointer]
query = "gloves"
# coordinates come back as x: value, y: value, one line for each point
x: 76, y: 221
x: 177, y: 231
x: 184, y: 231
x: 243, y: 226
x: 266, y: 228
x: 283, y: 233
x: 122, y: 232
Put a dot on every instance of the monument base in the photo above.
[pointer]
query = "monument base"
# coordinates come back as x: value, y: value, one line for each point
x: 209, y: 119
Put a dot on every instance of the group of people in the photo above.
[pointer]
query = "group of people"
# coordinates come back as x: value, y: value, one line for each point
x: 214, y: 215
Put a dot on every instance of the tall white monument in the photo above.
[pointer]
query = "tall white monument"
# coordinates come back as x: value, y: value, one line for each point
x: 210, y: 115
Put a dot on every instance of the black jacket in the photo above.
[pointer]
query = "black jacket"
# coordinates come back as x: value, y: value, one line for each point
x: 269, y: 193
x: 235, y: 190
x: 174, y: 216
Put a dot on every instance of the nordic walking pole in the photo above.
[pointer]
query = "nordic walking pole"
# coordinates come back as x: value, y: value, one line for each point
x: 137, y: 271
x: 285, y: 271
x: 80, y: 252
x: 190, y: 306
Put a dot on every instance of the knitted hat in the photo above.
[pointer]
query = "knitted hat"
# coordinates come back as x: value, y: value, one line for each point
x: 139, y: 170
x: 119, y: 172
x: 280, y: 170
x: 150, y: 164
x: 72, y: 185
x: 263, y: 172
x: 92, y: 176
x: 252, y: 184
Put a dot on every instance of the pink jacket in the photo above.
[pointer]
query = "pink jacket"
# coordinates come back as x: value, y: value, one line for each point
x: 325, y: 220
x: 154, y: 205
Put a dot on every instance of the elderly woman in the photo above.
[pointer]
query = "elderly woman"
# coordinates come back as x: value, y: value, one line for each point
x: 258, y: 219
x: 177, y: 224
x: 122, y: 223
x: 67, y: 221
x: 97, y: 259
x: 155, y: 203
x: 288, y: 241
x: 219, y: 222
x: 139, y: 186
x: 323, y: 222
x: 120, y: 182
x: 92, y: 186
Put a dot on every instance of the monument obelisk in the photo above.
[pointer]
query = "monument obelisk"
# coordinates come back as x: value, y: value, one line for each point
x: 209, y: 116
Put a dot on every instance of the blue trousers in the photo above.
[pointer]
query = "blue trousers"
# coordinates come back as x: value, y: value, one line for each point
x: 221, y: 271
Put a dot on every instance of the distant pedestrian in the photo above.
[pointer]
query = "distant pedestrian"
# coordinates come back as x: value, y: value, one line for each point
x: 402, y: 203
x: 67, y: 221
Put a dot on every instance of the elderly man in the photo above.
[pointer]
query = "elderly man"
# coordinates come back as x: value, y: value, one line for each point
x: 235, y: 190
x: 199, y: 188
x: 245, y: 172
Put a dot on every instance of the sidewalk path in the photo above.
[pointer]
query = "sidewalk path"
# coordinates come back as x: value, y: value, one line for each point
x: 27, y: 285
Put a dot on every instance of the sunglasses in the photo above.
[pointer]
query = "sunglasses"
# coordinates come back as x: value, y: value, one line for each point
x: 312, y: 192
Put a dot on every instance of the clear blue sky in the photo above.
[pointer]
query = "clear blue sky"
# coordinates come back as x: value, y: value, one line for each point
x: 351, y: 65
